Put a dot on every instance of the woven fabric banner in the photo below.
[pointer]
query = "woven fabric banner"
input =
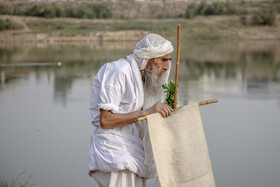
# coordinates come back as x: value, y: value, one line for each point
x: 180, y: 149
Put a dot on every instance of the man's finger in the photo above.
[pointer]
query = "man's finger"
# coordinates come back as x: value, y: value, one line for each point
x: 163, y: 113
x: 167, y: 112
x: 169, y: 107
x: 170, y: 110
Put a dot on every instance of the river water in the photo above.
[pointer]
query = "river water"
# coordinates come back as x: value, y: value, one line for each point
x: 45, y: 122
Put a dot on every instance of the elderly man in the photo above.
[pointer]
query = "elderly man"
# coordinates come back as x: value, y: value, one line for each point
x: 123, y: 91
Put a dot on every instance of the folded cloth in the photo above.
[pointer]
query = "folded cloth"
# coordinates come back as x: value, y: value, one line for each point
x: 180, y: 149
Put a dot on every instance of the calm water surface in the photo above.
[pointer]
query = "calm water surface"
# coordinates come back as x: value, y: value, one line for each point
x: 45, y: 122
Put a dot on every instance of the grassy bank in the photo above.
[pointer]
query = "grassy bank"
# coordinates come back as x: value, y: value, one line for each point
x: 41, y: 21
x: 198, y: 28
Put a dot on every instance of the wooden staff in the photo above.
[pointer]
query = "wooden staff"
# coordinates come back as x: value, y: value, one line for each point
x: 200, y: 104
x: 177, y: 65
x: 208, y: 102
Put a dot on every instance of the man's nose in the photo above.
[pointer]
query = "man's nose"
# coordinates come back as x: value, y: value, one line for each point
x: 165, y: 66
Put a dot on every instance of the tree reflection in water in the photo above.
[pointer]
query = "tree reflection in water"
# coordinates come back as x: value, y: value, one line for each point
x: 239, y: 67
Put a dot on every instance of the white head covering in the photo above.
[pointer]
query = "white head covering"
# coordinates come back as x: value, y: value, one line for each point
x: 151, y: 46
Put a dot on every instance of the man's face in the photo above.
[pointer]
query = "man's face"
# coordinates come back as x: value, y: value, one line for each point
x: 155, y: 74
x: 159, y: 64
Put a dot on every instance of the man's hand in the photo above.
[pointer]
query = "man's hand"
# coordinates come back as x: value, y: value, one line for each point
x: 162, y: 108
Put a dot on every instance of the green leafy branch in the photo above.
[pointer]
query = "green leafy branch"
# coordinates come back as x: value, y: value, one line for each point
x: 169, y: 89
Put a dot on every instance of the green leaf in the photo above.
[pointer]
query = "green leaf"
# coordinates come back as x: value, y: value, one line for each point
x: 169, y: 89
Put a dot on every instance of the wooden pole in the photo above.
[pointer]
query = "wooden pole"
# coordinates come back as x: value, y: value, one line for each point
x: 177, y: 65
x: 200, y: 104
x: 208, y: 102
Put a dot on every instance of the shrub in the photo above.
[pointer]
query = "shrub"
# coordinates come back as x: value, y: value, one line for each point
x: 34, y: 11
x: 49, y: 12
x: 70, y: 12
x: 202, y: 8
x: 161, y: 16
x: 216, y: 8
x: 46, y: 12
x: 88, y: 13
x: 102, y: 11
x: 3, y: 9
x: 93, y: 11
x: 7, y: 25
x: 191, y: 11
x: 96, y: 11
x: 231, y: 9
x: 59, y: 12
x: 275, y: 6
x: 265, y: 16
x: 17, y: 11
x: 219, y: 8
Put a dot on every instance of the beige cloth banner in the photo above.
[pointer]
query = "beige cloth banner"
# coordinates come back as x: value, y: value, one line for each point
x: 180, y: 149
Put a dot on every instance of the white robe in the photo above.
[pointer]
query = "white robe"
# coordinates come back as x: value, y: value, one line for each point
x: 118, y: 87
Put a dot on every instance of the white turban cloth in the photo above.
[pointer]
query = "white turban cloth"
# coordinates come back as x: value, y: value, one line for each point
x: 151, y: 46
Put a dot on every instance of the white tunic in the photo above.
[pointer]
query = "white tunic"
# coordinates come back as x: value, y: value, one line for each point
x: 118, y: 87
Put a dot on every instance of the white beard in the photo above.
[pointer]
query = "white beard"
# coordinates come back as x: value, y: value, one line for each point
x: 153, y: 91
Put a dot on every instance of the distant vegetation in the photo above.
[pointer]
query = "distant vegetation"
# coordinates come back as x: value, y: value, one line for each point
x: 262, y: 13
x: 92, y: 11
x: 265, y: 16
x: 216, y: 8
x: 6, y: 24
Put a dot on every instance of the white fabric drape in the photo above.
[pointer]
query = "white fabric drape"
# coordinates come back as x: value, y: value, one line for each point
x: 180, y: 149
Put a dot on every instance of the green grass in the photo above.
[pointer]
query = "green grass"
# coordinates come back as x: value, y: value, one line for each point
x: 167, y: 28
x: 15, y: 182
x: 206, y: 36
x: 71, y: 29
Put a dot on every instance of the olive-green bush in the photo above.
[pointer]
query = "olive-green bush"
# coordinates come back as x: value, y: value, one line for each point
x: 6, y: 24
x: 265, y: 16
x: 94, y: 11
x: 215, y: 8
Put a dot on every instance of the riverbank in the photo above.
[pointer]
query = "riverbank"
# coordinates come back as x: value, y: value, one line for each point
x: 64, y: 30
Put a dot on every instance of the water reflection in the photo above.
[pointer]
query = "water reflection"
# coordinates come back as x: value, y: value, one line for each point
x: 47, y: 106
x: 229, y: 68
